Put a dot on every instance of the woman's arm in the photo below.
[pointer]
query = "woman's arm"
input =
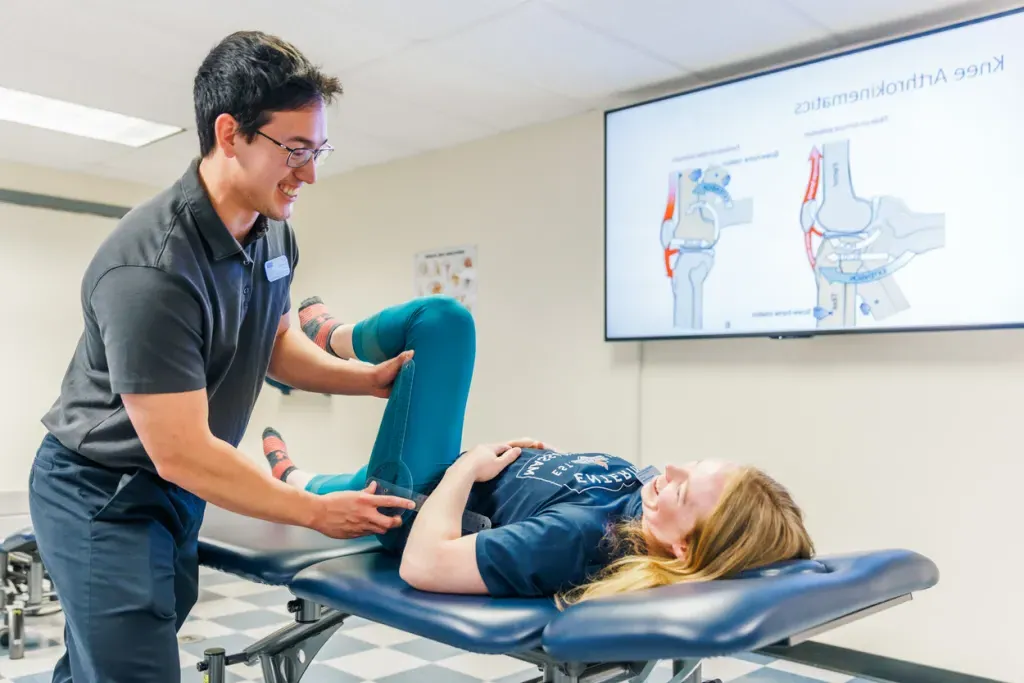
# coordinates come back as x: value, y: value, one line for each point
x: 437, y: 557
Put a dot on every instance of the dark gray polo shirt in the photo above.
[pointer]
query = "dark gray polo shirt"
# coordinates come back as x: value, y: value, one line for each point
x: 172, y: 303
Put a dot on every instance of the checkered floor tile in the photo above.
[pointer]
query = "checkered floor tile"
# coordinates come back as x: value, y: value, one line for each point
x: 233, y: 614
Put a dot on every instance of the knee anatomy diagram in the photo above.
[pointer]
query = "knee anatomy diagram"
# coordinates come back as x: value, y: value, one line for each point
x: 699, y: 207
x: 861, y: 243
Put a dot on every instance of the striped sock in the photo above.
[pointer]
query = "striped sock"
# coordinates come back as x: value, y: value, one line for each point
x: 318, y: 323
x: 276, y: 452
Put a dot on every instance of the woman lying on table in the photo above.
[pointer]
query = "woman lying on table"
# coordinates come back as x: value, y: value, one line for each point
x: 570, y: 525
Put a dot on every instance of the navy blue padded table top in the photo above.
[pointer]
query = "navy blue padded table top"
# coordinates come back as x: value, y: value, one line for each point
x: 265, y: 552
x: 368, y: 586
x: 726, y: 617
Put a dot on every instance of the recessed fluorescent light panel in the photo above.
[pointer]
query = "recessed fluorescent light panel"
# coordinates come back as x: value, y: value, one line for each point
x: 77, y: 119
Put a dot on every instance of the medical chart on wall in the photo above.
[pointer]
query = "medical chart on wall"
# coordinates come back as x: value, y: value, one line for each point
x: 448, y: 271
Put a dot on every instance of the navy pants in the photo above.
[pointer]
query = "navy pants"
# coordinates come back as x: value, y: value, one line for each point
x: 121, y: 549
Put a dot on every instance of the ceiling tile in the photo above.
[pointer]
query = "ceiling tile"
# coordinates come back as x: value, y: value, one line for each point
x: 697, y: 37
x: 845, y: 17
x: 166, y: 43
x: 417, y: 19
x: 332, y: 42
x: 355, y: 150
x: 399, y: 122
x: 428, y: 77
x: 96, y: 36
x: 418, y: 75
x: 538, y: 45
x: 112, y: 88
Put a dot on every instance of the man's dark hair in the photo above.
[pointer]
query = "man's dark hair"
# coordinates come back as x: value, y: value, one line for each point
x: 250, y: 75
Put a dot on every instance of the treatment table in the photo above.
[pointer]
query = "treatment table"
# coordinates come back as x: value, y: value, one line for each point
x: 601, y: 641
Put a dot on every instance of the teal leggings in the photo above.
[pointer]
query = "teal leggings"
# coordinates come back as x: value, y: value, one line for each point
x: 420, y: 434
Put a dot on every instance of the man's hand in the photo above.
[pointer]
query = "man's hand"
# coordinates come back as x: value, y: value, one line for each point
x: 382, y: 376
x: 298, y: 362
x: 351, y: 514
x: 486, y: 461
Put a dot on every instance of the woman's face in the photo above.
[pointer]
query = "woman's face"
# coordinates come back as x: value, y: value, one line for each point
x: 676, y: 501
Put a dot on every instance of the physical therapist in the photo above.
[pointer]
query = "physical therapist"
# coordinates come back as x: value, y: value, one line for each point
x: 186, y: 311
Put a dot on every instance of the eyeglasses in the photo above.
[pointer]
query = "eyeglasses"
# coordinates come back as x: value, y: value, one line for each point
x: 300, y: 156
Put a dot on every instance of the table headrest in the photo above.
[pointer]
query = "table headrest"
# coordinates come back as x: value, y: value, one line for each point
x: 720, y: 618
x: 785, y: 568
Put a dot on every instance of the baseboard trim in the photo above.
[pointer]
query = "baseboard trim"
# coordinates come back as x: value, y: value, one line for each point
x: 45, y: 201
x: 866, y: 665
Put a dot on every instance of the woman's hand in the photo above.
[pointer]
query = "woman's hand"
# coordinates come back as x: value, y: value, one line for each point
x: 486, y: 461
x: 527, y: 442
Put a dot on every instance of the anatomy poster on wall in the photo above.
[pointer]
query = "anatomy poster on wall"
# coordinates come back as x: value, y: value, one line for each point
x: 451, y: 272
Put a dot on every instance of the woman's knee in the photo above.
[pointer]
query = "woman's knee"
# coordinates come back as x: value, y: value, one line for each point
x: 445, y: 308
x: 445, y: 314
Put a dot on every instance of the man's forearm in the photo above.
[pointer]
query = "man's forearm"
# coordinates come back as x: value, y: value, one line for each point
x: 440, y: 517
x: 223, y: 476
x: 299, y: 363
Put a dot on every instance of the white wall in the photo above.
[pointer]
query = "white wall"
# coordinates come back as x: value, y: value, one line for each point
x: 44, y: 253
x: 886, y: 440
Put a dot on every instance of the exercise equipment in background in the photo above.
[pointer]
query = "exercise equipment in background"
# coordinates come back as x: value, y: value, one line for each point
x: 27, y: 589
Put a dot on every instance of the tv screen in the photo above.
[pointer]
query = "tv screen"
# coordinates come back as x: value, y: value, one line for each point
x: 877, y: 190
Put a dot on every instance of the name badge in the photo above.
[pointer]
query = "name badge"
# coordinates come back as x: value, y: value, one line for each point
x: 277, y: 268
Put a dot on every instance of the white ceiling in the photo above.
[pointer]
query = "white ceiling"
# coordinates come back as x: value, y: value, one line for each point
x: 418, y: 74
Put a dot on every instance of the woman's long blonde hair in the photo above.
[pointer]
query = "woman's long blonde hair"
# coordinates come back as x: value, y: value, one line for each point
x: 755, y: 523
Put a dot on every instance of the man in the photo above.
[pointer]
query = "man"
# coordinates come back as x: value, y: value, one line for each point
x: 186, y: 309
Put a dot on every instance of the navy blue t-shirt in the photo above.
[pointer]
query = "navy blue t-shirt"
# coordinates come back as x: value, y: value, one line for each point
x: 550, y: 512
